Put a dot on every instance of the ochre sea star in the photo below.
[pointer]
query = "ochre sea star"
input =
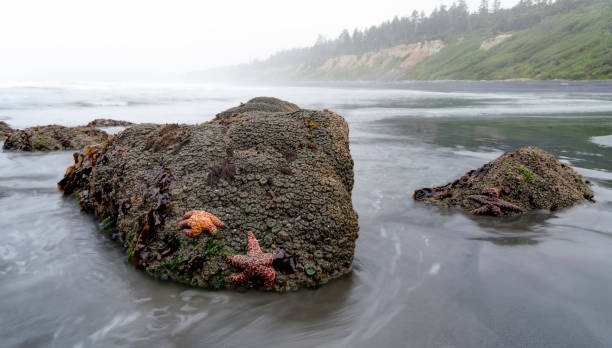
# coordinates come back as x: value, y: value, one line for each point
x: 254, y: 263
x: 199, y: 221
x: 492, y: 204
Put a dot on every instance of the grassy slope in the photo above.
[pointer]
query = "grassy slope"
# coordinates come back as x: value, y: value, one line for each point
x: 571, y: 46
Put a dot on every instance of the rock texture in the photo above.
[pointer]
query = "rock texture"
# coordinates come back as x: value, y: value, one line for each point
x: 107, y: 122
x: 528, y: 178
x: 5, y: 130
x: 259, y: 105
x: 286, y: 176
x: 53, y: 137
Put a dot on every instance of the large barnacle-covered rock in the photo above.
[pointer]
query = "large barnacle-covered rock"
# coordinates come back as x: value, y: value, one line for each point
x: 516, y: 182
x: 285, y: 175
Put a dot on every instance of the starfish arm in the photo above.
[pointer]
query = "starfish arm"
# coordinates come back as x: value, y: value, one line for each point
x: 189, y: 214
x: 185, y: 223
x: 508, y: 206
x: 268, y: 275
x: 215, y: 220
x: 238, y: 260
x: 482, y: 210
x: 211, y: 228
x: 269, y: 258
x: 491, y: 192
x: 495, y: 210
x: 253, y: 246
x: 480, y: 199
x: 239, y: 278
x: 191, y: 233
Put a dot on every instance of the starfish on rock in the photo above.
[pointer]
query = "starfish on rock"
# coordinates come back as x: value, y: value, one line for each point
x: 199, y: 220
x: 492, y: 204
x: 254, y: 263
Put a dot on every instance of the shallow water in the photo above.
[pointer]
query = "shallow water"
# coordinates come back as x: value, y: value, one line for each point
x: 422, y: 276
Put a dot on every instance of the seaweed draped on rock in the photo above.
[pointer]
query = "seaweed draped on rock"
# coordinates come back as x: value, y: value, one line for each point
x: 524, y: 180
x: 286, y: 176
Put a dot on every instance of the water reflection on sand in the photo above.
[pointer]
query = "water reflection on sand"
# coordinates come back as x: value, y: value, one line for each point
x: 423, y: 276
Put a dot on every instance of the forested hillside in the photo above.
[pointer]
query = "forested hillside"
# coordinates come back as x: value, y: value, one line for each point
x: 569, y: 39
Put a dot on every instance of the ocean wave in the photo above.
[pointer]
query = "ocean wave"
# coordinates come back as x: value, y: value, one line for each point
x: 605, y: 140
x: 105, y: 103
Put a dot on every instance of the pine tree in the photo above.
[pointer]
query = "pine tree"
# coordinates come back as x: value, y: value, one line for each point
x: 443, y: 22
x: 496, y: 6
x: 484, y: 7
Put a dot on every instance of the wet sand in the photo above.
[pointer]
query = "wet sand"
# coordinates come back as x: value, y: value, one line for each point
x: 422, y: 276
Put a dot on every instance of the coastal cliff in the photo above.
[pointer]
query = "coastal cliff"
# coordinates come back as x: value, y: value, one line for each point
x: 561, y: 40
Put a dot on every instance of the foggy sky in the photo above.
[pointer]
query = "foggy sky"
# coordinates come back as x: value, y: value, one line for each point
x: 150, y: 39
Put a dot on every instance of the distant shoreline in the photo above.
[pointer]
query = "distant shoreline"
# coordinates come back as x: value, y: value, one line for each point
x: 390, y: 83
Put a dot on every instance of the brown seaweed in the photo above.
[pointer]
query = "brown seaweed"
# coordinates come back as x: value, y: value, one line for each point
x: 285, y: 262
x: 225, y: 171
x: 290, y: 155
x: 274, y: 199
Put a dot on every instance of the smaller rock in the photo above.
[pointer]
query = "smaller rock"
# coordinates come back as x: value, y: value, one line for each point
x: 524, y: 180
x: 4, y: 130
x: 54, y: 137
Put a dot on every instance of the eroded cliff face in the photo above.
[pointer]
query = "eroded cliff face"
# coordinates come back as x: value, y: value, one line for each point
x: 494, y: 41
x: 266, y: 167
x: 392, y: 61
x: 386, y: 64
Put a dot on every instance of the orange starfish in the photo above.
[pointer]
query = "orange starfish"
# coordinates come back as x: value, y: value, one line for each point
x: 199, y: 220
x: 254, y: 263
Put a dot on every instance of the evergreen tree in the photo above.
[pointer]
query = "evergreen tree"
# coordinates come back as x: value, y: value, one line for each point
x: 484, y: 7
x: 444, y: 22
x: 497, y: 6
